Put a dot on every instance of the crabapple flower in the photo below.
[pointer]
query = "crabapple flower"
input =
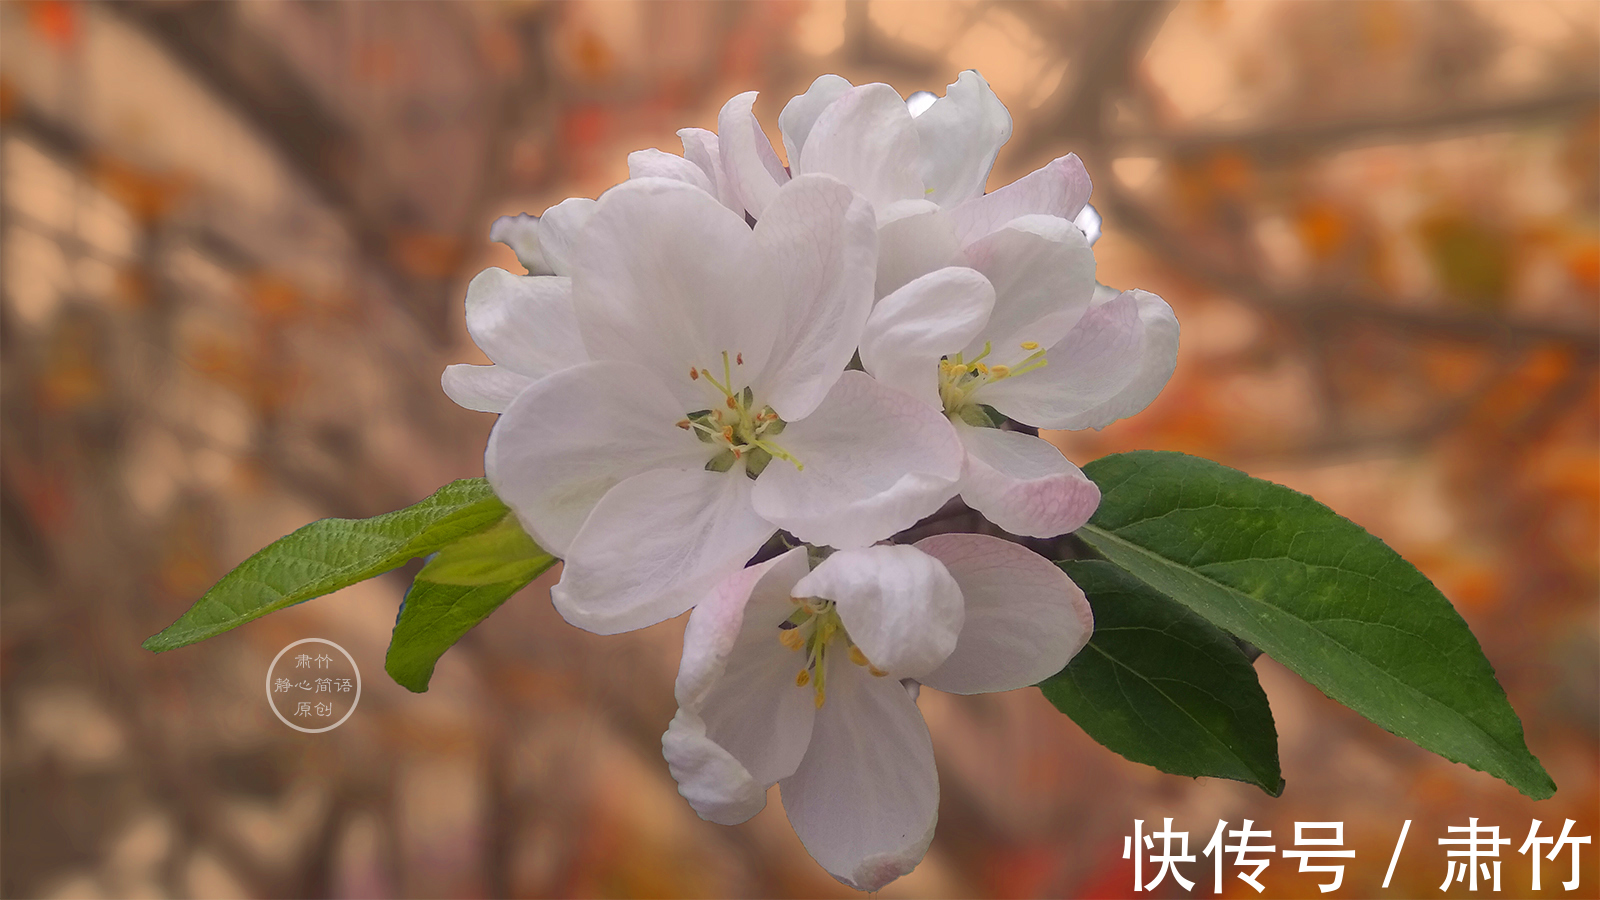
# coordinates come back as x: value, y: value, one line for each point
x: 523, y: 323
x: 792, y: 676
x: 714, y: 406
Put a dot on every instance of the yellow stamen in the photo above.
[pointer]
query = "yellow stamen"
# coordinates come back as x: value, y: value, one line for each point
x: 803, y: 679
x: 685, y: 424
x: 857, y: 657
x: 733, y: 404
x: 876, y: 671
x: 791, y: 638
x: 1000, y: 371
x: 822, y: 697
x: 1030, y: 345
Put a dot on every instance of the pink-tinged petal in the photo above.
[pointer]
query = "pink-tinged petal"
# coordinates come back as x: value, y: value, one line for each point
x: 818, y: 243
x: 875, y: 461
x: 1058, y: 188
x: 566, y: 439
x: 525, y: 323
x: 521, y: 233
x: 899, y: 605
x: 652, y: 163
x: 744, y: 723
x: 802, y: 110
x: 701, y: 148
x: 1025, y: 619
x: 1043, y: 275
x: 865, y: 799
x: 868, y: 140
x: 483, y: 388
x: 748, y: 159
x: 655, y: 545
x: 1023, y: 483
x: 961, y: 135
x: 718, y: 787
x: 912, y: 328
x: 915, y: 237
x: 665, y: 279
x: 1112, y: 365
x: 558, y: 231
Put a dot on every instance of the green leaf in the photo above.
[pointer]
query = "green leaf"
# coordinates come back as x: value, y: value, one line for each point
x: 1317, y: 593
x: 1161, y: 686
x: 330, y: 554
x: 456, y: 590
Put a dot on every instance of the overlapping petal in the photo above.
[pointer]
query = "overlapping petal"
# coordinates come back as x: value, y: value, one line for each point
x: 865, y: 799
x: 525, y: 323
x: 931, y: 317
x: 1058, y: 188
x: 875, y: 461
x: 654, y: 163
x: 867, y: 139
x: 702, y: 148
x: 915, y: 237
x: 1112, y: 365
x: 1023, y: 483
x: 1025, y: 619
x: 961, y: 134
x: 743, y: 723
x: 748, y: 160
x: 570, y: 437
x: 665, y: 278
x: 483, y: 388
x: 818, y: 245
x: 654, y: 546
x: 801, y: 112
x: 1043, y: 275
x: 899, y: 605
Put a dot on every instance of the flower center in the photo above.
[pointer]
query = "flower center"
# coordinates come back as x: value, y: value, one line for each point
x: 737, y: 425
x: 959, y: 378
x: 815, y: 627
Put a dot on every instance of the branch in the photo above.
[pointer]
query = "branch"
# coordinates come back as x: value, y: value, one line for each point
x: 1303, y: 137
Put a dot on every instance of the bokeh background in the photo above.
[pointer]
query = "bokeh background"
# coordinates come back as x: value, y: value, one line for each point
x: 236, y: 239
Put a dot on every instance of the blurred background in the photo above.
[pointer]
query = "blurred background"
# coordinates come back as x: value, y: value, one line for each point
x: 236, y: 239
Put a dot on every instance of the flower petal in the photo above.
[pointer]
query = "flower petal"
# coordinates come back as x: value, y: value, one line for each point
x: 1058, y: 188
x: 933, y: 316
x: 558, y: 231
x: 701, y: 148
x: 876, y: 460
x: 521, y: 233
x: 652, y: 163
x: 744, y: 723
x: 1110, y: 366
x: 899, y: 605
x: 961, y: 135
x: 802, y: 110
x: 569, y: 437
x: 866, y: 797
x: 748, y: 159
x: 1025, y: 618
x: 655, y: 545
x: 819, y: 243
x: 664, y: 279
x: 524, y: 322
x: 914, y: 238
x: 1043, y: 275
x: 868, y: 140
x: 1023, y: 483
x: 483, y: 388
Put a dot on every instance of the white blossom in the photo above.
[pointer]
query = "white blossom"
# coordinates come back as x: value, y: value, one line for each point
x: 714, y: 352
x: 793, y: 677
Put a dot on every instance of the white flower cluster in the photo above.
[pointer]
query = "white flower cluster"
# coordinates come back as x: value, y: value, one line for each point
x: 724, y: 347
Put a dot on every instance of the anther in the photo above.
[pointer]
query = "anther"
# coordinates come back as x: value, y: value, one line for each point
x: 1030, y: 345
x: 791, y: 638
x: 876, y: 671
x: 727, y: 433
x: 857, y: 657
x: 822, y: 697
x: 685, y: 424
x: 803, y: 679
x: 1000, y: 371
x: 694, y: 374
x: 739, y: 359
x: 732, y: 403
